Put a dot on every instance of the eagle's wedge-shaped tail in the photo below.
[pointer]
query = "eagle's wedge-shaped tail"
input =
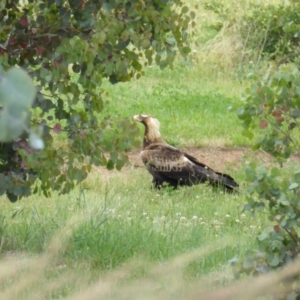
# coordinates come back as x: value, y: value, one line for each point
x: 219, y: 179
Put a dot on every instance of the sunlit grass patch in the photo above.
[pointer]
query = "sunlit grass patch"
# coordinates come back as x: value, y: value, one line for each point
x: 190, y: 113
x: 127, y: 218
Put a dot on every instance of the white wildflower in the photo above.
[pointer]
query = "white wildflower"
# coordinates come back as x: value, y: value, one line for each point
x: 183, y: 219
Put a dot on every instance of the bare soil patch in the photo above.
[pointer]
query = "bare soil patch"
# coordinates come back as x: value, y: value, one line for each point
x: 216, y: 158
x: 220, y: 159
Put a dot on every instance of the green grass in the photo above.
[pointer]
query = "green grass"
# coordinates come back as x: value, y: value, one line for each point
x: 192, y: 111
x: 123, y: 219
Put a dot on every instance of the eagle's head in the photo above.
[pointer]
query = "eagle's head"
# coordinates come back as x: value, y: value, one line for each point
x: 147, y: 120
x: 152, y: 133
x: 141, y: 118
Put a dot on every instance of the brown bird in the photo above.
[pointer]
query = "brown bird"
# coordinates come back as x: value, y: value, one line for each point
x: 174, y: 167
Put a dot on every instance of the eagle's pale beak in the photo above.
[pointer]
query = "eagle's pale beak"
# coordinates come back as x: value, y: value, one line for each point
x: 137, y: 118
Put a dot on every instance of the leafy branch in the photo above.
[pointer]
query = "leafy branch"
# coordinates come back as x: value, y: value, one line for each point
x: 269, y: 109
x: 68, y: 47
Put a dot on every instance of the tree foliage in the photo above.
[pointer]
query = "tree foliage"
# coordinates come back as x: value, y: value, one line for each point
x: 268, y: 30
x: 68, y: 47
x: 271, y: 114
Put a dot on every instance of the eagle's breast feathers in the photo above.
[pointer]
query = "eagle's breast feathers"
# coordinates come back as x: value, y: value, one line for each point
x: 164, y: 161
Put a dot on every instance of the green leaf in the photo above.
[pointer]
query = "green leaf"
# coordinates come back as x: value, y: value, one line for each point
x: 79, y: 175
x: 247, y: 133
x: 184, y: 10
x: 114, y: 157
x: 107, y: 7
x: 290, y: 27
x: 18, y: 190
x: 74, y: 41
x: 234, y: 260
x: 283, y: 223
x: 12, y: 197
x: 275, y: 172
x: 157, y: 58
x: 13, y: 120
x: 275, y: 191
x: 76, y: 68
x: 192, y: 15
x: 146, y: 43
x: 249, y: 263
x: 16, y: 95
x: 283, y: 200
x: 48, y: 77
x: 297, y: 177
x: 101, y: 37
x: 294, y: 185
x: 149, y: 54
x: 171, y: 40
x: 295, y: 113
x: 110, y: 165
x: 120, y: 164
x: 109, y: 68
x: 261, y: 170
x: 247, y: 207
x: 186, y: 50
x: 163, y: 63
x: 240, y: 112
x: 267, y: 92
x: 250, y: 173
x: 16, y: 88
x: 275, y: 262
x: 3, y: 184
x: 136, y: 65
x: 263, y: 236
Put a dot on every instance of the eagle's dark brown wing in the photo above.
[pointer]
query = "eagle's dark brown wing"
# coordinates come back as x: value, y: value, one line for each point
x: 168, y: 164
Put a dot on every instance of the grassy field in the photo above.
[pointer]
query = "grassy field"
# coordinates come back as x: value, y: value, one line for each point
x: 116, y: 238
x: 119, y: 221
x: 192, y: 110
